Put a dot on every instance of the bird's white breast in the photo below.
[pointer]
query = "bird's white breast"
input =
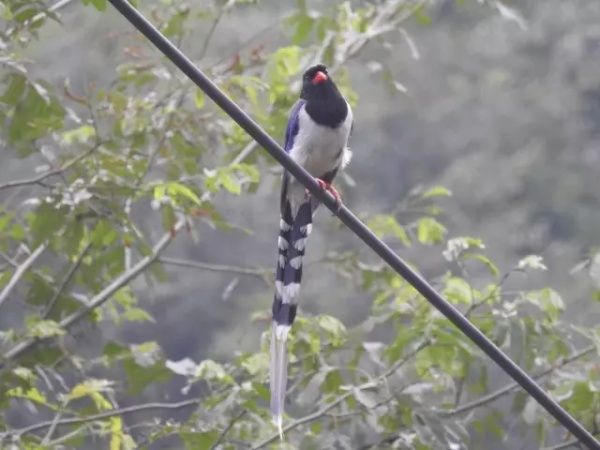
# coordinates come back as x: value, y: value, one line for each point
x: 320, y: 149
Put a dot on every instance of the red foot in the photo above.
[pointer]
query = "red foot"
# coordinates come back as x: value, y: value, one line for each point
x: 329, y: 188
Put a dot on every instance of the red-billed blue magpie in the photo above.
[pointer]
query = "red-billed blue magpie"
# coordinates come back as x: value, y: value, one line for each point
x: 316, y: 137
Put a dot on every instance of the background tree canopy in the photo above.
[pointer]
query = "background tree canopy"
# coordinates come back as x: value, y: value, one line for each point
x: 138, y: 225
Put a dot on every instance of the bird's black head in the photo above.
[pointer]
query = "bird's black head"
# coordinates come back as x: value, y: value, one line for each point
x: 317, y: 84
x: 324, y: 103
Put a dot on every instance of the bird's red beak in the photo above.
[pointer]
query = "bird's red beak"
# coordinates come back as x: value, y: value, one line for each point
x: 319, y: 78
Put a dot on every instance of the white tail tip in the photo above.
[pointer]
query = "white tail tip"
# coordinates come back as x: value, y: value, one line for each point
x: 278, y: 420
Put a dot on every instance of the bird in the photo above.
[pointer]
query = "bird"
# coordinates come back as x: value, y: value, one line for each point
x: 316, y: 137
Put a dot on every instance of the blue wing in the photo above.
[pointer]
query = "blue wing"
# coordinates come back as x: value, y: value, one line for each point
x: 291, y: 129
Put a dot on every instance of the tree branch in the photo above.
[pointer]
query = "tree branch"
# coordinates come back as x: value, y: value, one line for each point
x: 103, y: 415
x: 66, y: 280
x: 227, y: 428
x: 210, y: 34
x: 20, y: 272
x: 257, y: 272
x: 100, y: 298
x: 564, y: 445
x: 51, y: 173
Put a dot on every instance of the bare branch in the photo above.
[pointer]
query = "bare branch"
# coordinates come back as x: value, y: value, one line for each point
x: 40, y: 178
x: 20, y: 272
x: 564, y: 445
x: 66, y: 280
x: 210, y: 34
x: 103, y: 415
x: 64, y: 438
x: 51, y: 429
x: 262, y: 273
x: 99, y: 299
x: 233, y: 421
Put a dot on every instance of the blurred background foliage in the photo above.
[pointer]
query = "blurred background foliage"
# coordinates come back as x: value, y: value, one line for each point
x: 138, y: 224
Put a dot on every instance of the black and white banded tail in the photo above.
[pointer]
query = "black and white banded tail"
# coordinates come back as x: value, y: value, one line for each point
x: 293, y: 234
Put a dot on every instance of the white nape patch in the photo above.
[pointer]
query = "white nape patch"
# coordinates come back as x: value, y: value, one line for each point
x: 306, y: 229
x: 282, y: 243
x: 296, y: 262
x: 281, y: 261
x: 279, y: 288
x: 300, y: 244
x: 283, y: 225
x: 280, y: 332
x: 290, y: 292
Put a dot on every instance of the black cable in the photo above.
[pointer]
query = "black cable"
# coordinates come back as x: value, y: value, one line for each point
x: 352, y: 222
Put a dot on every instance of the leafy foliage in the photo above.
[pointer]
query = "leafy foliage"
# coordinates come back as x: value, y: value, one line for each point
x: 403, y: 377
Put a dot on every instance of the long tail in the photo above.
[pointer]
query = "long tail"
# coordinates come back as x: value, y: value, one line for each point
x: 293, y: 234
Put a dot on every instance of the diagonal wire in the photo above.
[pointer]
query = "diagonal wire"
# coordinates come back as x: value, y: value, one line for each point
x: 352, y: 222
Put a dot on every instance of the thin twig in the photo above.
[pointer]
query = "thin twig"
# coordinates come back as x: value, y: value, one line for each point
x: 40, y: 178
x: 99, y: 299
x: 232, y: 422
x: 103, y: 415
x: 564, y: 445
x: 210, y: 34
x: 257, y: 272
x: 20, y: 272
x: 51, y: 429
x: 64, y: 438
x: 66, y: 280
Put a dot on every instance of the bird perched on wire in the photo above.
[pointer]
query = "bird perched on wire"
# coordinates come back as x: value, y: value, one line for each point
x: 316, y: 137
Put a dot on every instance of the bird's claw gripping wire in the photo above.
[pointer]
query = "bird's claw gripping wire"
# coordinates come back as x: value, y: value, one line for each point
x: 329, y: 188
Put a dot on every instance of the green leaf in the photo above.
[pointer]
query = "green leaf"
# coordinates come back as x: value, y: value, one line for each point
x: 138, y: 376
x: 582, y: 397
x: 137, y: 315
x: 436, y: 191
x: 198, y: 440
x: 89, y: 387
x: 230, y: 183
x: 100, y: 5
x: 457, y: 290
x: 15, y: 89
x: 256, y: 364
x: 304, y: 26
x: 548, y: 300
x: 364, y: 398
x: 38, y: 328
x: 386, y: 225
x: 422, y: 17
x: 5, y: 221
x: 335, y: 328
x: 430, y: 231
x: 33, y: 394
x: 211, y: 370
x: 198, y: 98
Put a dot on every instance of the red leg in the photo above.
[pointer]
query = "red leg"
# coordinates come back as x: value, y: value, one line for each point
x: 329, y: 188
